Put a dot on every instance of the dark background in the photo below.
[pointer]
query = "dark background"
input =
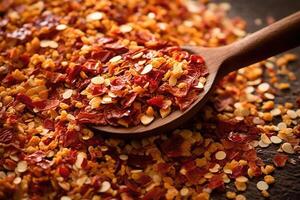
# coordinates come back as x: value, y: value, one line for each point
x: 287, y: 180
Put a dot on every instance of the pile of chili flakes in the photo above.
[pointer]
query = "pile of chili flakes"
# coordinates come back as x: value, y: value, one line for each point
x: 45, y: 151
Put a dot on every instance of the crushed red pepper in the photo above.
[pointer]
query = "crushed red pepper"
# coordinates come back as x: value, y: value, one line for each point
x: 119, y: 72
x: 52, y: 53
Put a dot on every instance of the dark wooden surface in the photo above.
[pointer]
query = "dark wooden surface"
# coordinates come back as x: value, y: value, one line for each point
x: 287, y: 186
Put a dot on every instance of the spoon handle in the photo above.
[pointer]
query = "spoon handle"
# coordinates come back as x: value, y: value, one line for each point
x: 269, y: 41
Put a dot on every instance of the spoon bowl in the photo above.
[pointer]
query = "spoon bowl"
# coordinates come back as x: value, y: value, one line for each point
x: 274, y: 39
x: 176, y: 118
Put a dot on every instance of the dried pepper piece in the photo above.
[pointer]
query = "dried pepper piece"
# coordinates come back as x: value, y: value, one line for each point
x: 155, y: 194
x: 91, y: 118
x: 137, y: 161
x: 216, y: 181
x: 6, y: 136
x: 41, y: 105
x: 157, y: 101
x: 280, y: 160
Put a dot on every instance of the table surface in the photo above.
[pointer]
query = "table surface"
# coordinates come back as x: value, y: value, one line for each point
x: 287, y: 184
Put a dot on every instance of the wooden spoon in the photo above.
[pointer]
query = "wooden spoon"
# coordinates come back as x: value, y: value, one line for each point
x: 269, y: 41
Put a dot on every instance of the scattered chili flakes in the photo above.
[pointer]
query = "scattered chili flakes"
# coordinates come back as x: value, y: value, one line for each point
x: 280, y: 160
x: 65, y: 65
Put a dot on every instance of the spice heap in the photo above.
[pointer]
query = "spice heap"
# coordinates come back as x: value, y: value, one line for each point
x: 96, y: 66
x: 52, y: 54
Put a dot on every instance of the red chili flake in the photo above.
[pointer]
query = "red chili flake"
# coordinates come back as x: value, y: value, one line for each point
x: 129, y: 99
x: 96, y: 182
x: 92, y: 67
x: 78, y: 44
x: 5, y: 4
x: 25, y: 59
x: 144, y: 36
x: 127, y: 195
x: 256, y: 170
x: 70, y: 139
x: 101, y: 54
x: 47, y: 141
x: 6, y: 135
x: 116, y: 47
x: 117, y: 84
x: 163, y: 168
x: 237, y: 131
x: 143, y: 180
x: 45, y: 104
x: 216, y: 181
x: 156, y: 101
x: 224, y: 127
x: 189, y: 165
x: 223, y: 102
x: 2, y: 114
x: 26, y: 100
x: 170, y: 51
x: 39, y: 105
x: 182, y: 55
x: 250, y: 155
x: 298, y: 101
x: 72, y: 73
x: 22, y: 33
x: 280, y: 160
x: 131, y: 188
x: 9, y: 164
x: 140, y: 80
x: 172, y: 146
x: 99, y: 90
x: 194, y: 175
x: 9, y: 80
x: 119, y: 15
x: 35, y: 157
x: 185, y: 102
x: 12, y: 119
x: 84, y: 189
x: 94, y: 153
x: 156, y: 193
x: 54, y: 77
x: 154, y: 78
x: 233, y: 154
x: 175, y: 91
x: 139, y: 161
x: 85, y: 165
x: 133, y: 52
x: 45, y: 164
x: 180, y: 179
x: 80, y: 85
x: 91, y: 118
x: 238, y: 137
x: 71, y: 157
x: 196, y: 59
x: 49, y: 124
x: 252, y: 131
x: 47, y: 20
x: 228, y: 144
x: 239, y: 171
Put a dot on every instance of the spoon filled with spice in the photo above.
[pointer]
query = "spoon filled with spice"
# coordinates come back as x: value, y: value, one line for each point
x: 276, y: 38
